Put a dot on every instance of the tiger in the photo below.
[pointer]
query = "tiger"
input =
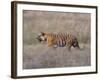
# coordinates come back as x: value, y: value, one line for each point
x: 58, y: 40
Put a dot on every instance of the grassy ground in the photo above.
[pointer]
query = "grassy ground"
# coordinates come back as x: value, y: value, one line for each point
x: 42, y: 56
x: 37, y: 55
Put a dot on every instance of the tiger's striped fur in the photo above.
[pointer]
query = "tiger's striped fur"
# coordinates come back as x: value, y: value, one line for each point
x: 59, y: 40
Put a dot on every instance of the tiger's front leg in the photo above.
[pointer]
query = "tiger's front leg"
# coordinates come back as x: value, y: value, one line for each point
x: 49, y: 42
x: 52, y: 46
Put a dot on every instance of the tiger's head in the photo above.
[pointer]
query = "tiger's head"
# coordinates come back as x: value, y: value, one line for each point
x: 41, y: 37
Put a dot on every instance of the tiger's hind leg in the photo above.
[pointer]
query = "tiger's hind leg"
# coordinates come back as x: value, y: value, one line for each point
x: 69, y: 47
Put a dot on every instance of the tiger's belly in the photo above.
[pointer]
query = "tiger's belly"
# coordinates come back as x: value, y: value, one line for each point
x: 60, y: 43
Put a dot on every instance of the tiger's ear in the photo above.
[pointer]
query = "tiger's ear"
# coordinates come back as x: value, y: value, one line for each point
x: 43, y: 33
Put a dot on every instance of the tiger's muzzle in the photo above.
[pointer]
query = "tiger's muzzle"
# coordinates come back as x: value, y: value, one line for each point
x: 39, y: 39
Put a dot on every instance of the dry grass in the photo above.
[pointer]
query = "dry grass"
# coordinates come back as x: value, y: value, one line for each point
x: 42, y: 56
x: 37, y: 55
